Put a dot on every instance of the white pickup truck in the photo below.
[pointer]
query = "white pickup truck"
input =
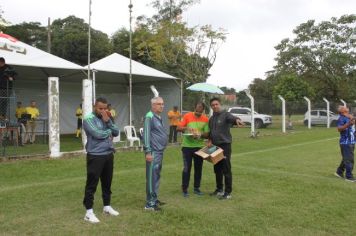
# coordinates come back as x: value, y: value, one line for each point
x: 244, y: 113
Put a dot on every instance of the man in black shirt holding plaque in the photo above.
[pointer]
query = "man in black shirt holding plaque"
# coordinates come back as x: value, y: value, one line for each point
x: 219, y: 125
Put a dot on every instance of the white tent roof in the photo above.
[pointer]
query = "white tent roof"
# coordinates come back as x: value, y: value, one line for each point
x: 19, y: 55
x: 117, y: 63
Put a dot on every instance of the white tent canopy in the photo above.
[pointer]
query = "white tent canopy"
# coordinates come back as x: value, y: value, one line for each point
x: 33, y: 62
x: 112, y: 81
x: 119, y: 64
x: 34, y: 66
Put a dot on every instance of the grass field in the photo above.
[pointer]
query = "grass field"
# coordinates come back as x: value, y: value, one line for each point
x: 283, y: 185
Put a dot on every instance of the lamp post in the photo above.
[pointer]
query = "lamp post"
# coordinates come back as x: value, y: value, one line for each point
x: 130, y: 74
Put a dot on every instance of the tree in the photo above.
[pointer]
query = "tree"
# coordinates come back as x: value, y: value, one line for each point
x: 120, y: 42
x: 166, y: 43
x: 188, y: 52
x: 31, y: 33
x: 242, y: 99
x: 3, y: 22
x: 293, y: 90
x: 323, y: 55
x: 70, y: 41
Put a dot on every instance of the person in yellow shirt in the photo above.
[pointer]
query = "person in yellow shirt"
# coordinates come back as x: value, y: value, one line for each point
x: 79, y: 115
x: 174, y: 119
x: 20, y: 110
x: 112, y: 111
x: 31, y: 124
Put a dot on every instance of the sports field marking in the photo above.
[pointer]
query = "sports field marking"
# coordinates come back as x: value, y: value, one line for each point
x: 288, y: 173
x: 283, y: 147
x: 82, y: 178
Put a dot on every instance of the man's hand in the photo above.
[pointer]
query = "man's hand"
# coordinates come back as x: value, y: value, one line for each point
x: 11, y: 79
x: 104, y: 116
x: 209, y: 143
x: 149, y: 157
x: 239, y: 123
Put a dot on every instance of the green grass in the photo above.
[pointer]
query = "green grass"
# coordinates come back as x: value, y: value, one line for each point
x: 283, y: 184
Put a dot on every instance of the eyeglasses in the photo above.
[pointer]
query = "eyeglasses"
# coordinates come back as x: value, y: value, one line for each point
x: 159, y: 104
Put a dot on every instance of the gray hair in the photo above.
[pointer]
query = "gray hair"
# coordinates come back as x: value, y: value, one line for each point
x: 155, y: 99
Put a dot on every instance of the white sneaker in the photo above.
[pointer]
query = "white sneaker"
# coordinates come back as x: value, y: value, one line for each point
x: 90, y: 216
x: 110, y: 211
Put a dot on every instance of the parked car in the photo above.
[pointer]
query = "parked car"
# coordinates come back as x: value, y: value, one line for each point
x: 244, y: 113
x: 319, y: 117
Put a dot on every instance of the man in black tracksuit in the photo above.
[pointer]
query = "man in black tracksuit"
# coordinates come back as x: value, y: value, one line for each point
x: 219, y: 125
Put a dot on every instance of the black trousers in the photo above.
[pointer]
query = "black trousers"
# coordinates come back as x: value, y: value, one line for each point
x: 222, y: 169
x: 98, y: 167
x: 79, y: 123
x: 188, y: 156
x: 173, y: 133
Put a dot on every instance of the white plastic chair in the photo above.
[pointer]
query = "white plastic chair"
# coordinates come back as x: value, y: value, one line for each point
x: 131, y: 136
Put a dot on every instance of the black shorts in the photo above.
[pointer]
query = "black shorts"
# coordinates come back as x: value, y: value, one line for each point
x: 79, y: 123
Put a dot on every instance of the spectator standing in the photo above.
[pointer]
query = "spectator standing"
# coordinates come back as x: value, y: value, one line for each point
x: 31, y: 123
x: 7, y: 76
x: 112, y: 112
x: 174, y: 118
x: 79, y: 115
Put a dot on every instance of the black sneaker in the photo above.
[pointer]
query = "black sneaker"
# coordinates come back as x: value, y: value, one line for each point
x: 152, y: 208
x: 159, y: 203
x: 352, y: 179
x: 217, y: 193
x: 198, y: 192
x: 339, y: 175
x: 225, y: 196
x: 185, y: 194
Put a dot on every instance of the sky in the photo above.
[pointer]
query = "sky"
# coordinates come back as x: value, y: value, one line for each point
x: 254, y: 27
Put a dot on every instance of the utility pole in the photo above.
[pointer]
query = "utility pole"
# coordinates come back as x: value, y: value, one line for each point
x: 49, y: 35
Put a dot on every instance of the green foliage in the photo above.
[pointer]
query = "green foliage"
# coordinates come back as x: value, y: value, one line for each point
x: 120, y: 42
x: 186, y: 52
x: 242, y: 99
x: 31, y: 33
x: 70, y: 41
x: 3, y: 22
x: 293, y: 90
x: 322, y: 54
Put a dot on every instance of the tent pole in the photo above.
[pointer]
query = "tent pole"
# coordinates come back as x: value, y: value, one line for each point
x: 130, y: 75
x: 94, y: 86
x: 89, y: 39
